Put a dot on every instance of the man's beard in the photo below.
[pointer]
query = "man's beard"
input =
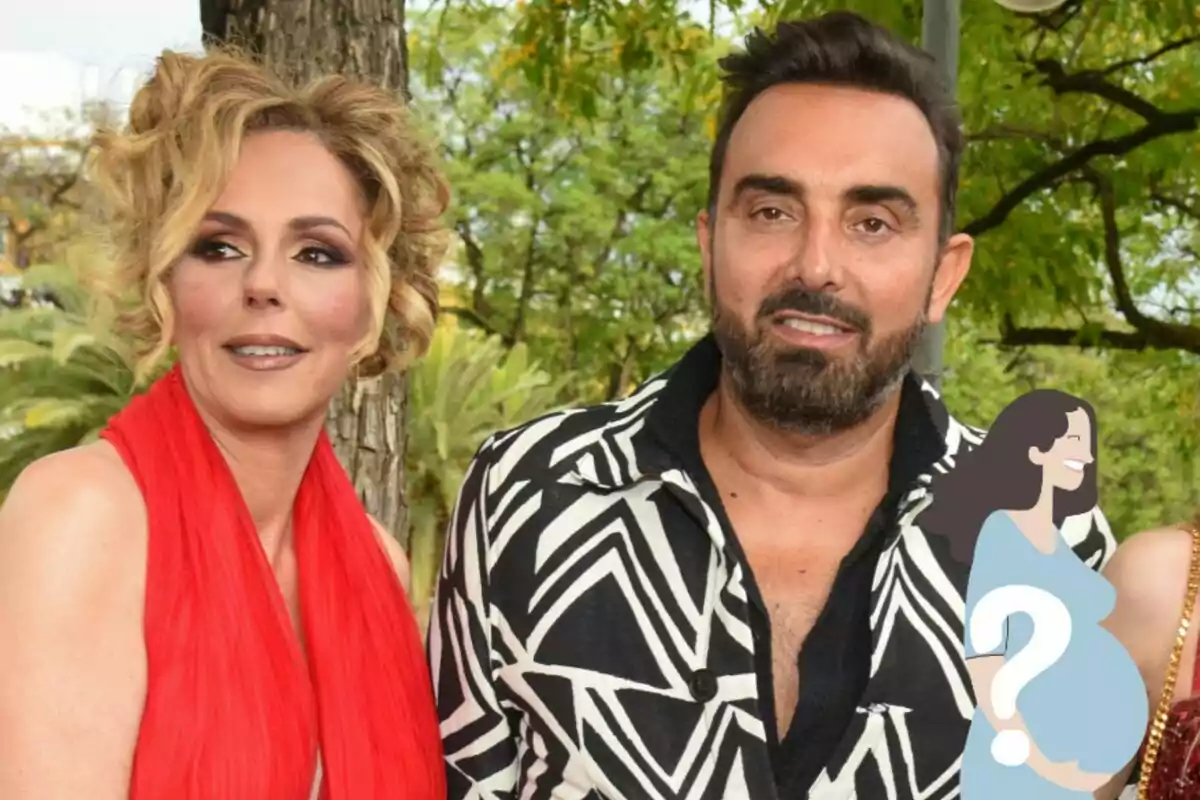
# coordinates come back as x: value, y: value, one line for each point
x: 803, y: 390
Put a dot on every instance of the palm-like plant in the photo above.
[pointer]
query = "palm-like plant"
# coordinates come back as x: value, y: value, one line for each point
x: 465, y: 388
x: 63, y: 373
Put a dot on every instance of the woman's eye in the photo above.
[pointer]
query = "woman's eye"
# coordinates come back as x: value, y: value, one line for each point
x: 322, y: 257
x: 215, y: 250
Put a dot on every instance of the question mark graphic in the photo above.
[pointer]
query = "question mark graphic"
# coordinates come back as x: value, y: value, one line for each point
x: 1051, y: 634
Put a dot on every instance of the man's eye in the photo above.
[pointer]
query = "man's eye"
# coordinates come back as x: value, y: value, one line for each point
x: 874, y: 225
x: 769, y: 213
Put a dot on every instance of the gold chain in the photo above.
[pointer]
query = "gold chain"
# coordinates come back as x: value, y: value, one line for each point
x: 1165, y: 701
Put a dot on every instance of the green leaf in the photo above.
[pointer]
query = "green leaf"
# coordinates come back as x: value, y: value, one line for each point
x: 54, y: 413
x: 17, y: 351
x: 62, y: 375
x: 68, y: 339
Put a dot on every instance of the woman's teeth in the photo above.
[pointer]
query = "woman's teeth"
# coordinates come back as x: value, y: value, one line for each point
x: 258, y: 350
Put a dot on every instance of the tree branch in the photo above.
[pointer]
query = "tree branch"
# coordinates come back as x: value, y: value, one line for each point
x: 527, y: 283
x: 1112, y: 243
x: 1150, y: 333
x: 1084, y: 30
x: 1146, y: 59
x: 1013, y: 336
x: 57, y: 197
x: 1187, y: 207
x: 998, y: 133
x: 471, y: 316
x: 1159, y: 124
x: 619, y: 371
x: 1091, y: 81
x: 1167, y: 125
x: 451, y: 90
x: 572, y: 150
x: 475, y: 262
x: 1169, y: 334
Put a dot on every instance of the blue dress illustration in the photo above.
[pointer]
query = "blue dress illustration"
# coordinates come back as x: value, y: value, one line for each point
x: 1089, y: 706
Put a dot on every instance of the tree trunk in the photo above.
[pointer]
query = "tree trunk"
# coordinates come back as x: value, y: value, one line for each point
x: 364, y: 39
x: 302, y: 39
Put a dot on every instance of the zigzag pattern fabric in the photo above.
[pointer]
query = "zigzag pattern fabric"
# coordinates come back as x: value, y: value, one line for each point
x: 579, y: 651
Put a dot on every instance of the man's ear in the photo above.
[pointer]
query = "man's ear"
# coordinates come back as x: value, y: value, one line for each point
x: 704, y: 223
x: 952, y: 268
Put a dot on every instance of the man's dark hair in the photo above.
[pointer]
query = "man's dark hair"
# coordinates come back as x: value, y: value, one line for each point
x: 840, y: 48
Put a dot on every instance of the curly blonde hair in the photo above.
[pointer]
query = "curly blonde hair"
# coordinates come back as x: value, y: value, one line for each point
x: 162, y: 173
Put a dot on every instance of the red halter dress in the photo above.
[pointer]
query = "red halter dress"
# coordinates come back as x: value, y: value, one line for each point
x: 233, y: 709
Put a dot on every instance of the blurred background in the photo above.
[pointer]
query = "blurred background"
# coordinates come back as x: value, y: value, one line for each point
x: 576, y: 135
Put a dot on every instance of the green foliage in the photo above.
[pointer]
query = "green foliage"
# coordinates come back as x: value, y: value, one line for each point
x: 570, y: 49
x: 63, y: 374
x: 1059, y: 107
x: 467, y: 387
x: 575, y: 229
x: 1034, y: 97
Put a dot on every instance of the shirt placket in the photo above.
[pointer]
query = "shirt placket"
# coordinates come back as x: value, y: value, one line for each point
x: 735, y: 578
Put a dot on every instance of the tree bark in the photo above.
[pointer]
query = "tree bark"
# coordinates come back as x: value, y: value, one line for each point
x: 364, y: 39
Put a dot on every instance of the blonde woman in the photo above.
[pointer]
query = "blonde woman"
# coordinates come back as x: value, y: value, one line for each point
x: 1157, y: 574
x: 198, y: 606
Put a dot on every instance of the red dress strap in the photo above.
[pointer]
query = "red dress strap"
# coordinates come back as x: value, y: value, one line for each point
x: 233, y: 709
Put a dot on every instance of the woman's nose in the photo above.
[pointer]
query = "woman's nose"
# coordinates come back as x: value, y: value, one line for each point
x: 261, y: 282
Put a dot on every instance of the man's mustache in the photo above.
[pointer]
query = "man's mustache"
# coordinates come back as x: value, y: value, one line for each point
x: 819, y: 304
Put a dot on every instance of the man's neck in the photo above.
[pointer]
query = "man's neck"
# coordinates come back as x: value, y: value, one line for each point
x: 804, y: 466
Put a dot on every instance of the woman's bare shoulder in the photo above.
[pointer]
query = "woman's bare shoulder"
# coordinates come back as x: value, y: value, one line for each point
x: 80, y: 494
x: 74, y: 524
x: 72, y: 591
x: 1149, y: 571
x: 1153, y: 564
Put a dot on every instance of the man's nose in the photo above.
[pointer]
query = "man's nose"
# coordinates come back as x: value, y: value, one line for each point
x: 815, y: 261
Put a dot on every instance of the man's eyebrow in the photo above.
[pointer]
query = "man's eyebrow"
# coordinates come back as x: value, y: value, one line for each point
x: 864, y: 194
x: 868, y: 194
x: 771, y: 184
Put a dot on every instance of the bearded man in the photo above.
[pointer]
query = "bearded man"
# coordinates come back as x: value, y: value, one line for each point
x: 715, y: 588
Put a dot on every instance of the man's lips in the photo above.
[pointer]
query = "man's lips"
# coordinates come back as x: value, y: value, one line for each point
x: 814, y: 324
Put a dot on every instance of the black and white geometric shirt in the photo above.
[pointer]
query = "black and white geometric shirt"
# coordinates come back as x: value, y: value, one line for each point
x: 595, y: 632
